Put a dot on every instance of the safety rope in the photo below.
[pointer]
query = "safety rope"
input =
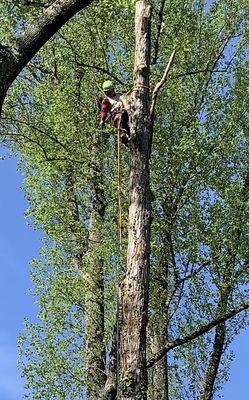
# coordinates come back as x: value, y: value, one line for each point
x: 120, y: 244
x: 119, y: 184
x: 137, y: 86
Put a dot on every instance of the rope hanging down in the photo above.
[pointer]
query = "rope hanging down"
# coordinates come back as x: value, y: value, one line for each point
x: 120, y: 245
x: 119, y: 184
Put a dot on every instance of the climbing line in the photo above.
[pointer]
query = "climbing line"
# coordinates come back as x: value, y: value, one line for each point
x: 119, y: 185
x: 137, y: 86
x: 120, y: 246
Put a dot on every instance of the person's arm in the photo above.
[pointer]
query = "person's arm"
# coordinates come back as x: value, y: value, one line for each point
x: 105, y: 108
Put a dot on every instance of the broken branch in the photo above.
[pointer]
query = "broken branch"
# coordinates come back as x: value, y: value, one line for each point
x: 159, y: 86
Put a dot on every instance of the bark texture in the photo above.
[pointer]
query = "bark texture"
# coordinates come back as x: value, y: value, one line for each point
x: 207, y: 390
x: 160, y: 370
x: 13, y: 60
x: 134, y: 288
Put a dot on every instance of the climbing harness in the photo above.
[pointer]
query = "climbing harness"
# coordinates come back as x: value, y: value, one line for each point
x: 140, y: 86
x: 137, y: 86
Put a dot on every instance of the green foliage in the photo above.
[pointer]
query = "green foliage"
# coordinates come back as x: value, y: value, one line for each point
x: 198, y: 171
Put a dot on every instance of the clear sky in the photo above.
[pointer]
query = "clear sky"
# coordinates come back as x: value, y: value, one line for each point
x: 18, y: 244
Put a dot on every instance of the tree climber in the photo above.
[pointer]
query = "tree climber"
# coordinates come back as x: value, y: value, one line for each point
x: 112, y: 105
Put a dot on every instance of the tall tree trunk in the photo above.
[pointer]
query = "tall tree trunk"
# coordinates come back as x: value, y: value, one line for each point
x: 110, y: 389
x: 135, y: 287
x: 160, y: 373
x: 94, y: 291
x: 92, y: 276
x: 214, y: 362
x: 94, y: 313
x: 160, y: 370
x: 217, y: 350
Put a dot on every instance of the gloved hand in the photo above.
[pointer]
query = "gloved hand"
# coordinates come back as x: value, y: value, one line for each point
x: 101, y: 124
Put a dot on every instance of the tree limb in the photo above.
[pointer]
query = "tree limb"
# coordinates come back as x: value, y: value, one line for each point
x: 194, y: 335
x: 41, y: 131
x: 205, y: 70
x: 100, y: 69
x: 13, y: 60
x: 159, y: 86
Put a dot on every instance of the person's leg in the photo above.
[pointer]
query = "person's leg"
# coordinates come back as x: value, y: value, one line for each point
x: 121, y: 123
x: 125, y: 129
x: 125, y: 122
x: 115, y: 120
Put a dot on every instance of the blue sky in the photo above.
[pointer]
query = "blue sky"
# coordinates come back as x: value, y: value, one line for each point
x: 18, y: 244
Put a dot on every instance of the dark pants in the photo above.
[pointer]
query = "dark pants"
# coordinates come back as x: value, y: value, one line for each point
x: 123, y: 124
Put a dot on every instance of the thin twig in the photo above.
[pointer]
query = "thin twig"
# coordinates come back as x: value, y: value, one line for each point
x: 100, y: 69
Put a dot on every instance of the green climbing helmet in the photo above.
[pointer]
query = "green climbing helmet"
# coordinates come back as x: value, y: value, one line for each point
x: 107, y: 85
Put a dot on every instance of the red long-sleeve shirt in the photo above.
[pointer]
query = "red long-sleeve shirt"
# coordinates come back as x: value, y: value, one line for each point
x: 110, y: 105
x: 105, y: 108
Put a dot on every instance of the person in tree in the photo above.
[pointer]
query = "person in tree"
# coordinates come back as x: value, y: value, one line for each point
x: 112, y: 106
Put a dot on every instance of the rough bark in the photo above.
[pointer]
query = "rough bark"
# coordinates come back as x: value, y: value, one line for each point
x: 160, y: 370
x: 14, y: 59
x: 134, y: 288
